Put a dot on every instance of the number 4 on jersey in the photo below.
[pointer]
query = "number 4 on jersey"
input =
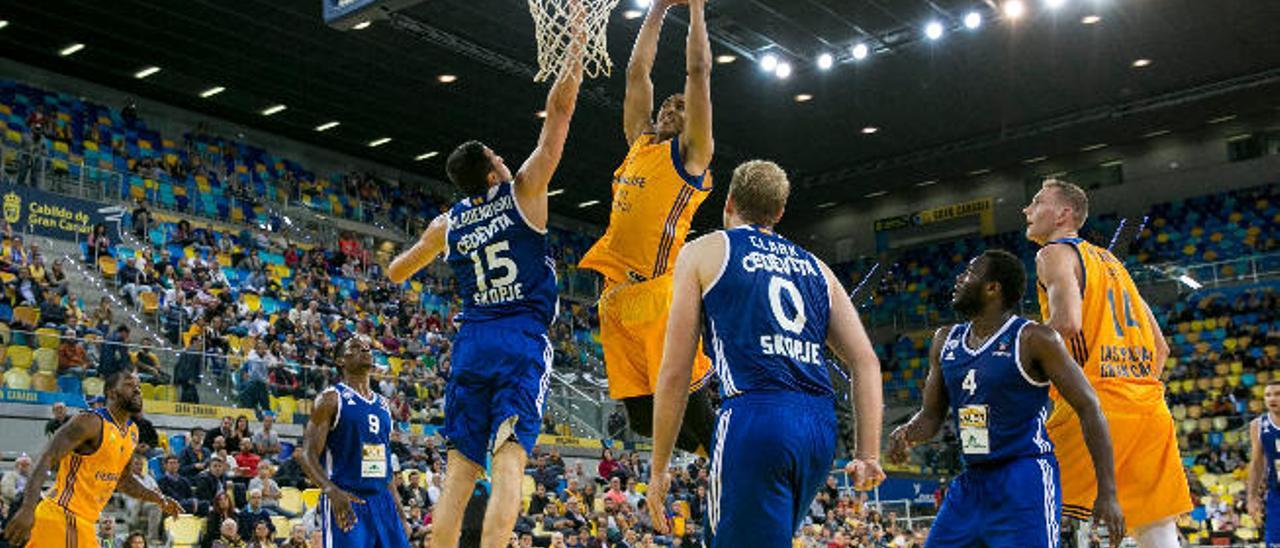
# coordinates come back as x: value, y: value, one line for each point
x: 970, y: 382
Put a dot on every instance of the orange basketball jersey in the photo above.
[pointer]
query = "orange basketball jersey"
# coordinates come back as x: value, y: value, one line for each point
x: 85, y: 482
x: 654, y: 200
x: 1116, y: 345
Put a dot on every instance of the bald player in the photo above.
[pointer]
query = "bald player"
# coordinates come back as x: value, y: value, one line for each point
x: 1088, y: 297
x: 656, y: 191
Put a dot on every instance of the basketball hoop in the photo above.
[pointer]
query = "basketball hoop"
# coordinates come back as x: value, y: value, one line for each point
x: 558, y: 24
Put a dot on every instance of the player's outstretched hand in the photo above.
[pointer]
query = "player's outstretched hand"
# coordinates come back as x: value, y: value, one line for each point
x: 898, y: 446
x: 170, y: 507
x: 656, y: 500
x: 1106, y: 510
x: 864, y: 473
x: 19, y: 529
x: 340, y: 504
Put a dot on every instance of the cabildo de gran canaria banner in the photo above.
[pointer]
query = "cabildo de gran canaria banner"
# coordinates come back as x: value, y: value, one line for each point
x: 981, y: 207
x: 30, y: 209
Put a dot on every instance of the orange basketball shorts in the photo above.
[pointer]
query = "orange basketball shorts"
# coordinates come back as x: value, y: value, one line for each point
x: 633, y: 329
x: 1151, y: 483
x: 57, y: 527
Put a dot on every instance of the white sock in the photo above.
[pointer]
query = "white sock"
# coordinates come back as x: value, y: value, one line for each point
x: 1161, y: 534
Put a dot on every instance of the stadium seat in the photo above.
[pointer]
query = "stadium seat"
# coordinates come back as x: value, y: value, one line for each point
x: 26, y: 315
x: 108, y: 266
x: 93, y: 386
x: 44, y: 382
x: 19, y: 356
x: 184, y: 530
x: 291, y: 500
x: 310, y: 498
x: 150, y: 302
x: 177, y: 443
x: 282, y: 526
x: 17, y: 379
x: 46, y: 360
x: 48, y: 337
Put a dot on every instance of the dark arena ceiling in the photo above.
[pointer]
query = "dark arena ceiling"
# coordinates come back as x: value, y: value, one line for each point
x: 1048, y: 82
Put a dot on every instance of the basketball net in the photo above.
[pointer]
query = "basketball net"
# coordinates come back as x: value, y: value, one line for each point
x: 559, y: 23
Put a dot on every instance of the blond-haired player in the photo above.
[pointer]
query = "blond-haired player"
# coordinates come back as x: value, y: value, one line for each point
x: 1088, y: 297
x: 656, y: 191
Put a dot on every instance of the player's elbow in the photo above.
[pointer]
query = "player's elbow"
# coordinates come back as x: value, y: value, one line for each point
x: 1066, y: 326
x: 698, y: 66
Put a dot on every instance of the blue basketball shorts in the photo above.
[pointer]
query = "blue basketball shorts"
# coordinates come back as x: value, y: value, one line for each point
x: 1017, y: 503
x: 1271, y: 535
x: 771, y: 452
x: 378, y: 524
x: 497, y: 386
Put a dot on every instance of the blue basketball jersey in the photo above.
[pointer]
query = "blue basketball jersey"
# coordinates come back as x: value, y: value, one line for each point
x: 1269, y: 436
x: 501, y: 262
x: 999, y: 410
x: 765, y: 316
x: 358, y: 451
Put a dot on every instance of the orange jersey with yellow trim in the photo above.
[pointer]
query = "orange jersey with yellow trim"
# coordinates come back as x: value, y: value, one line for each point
x: 1116, y: 345
x: 86, y: 482
x: 654, y: 200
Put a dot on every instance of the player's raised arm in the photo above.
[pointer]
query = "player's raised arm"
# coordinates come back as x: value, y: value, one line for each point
x: 1056, y: 269
x: 316, y: 434
x: 697, y: 145
x: 1162, y: 346
x: 80, y: 429
x: 1044, y: 347
x: 535, y: 174
x: 1257, y: 471
x: 924, y: 425
x: 638, y: 105
x: 425, y: 250
x: 849, y: 341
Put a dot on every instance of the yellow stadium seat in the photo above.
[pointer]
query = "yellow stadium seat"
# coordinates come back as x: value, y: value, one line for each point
x: 282, y: 526
x: 150, y: 302
x: 310, y: 498
x: 46, y: 360
x: 5, y: 335
x: 26, y: 315
x: 92, y: 386
x: 17, y: 379
x: 48, y: 337
x: 44, y: 382
x: 20, y: 356
x: 148, y: 391
x: 107, y: 265
x: 291, y: 500
x: 252, y: 301
x: 185, y: 529
x: 288, y: 406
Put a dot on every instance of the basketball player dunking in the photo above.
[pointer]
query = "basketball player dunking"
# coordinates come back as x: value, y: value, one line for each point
x: 994, y: 372
x: 495, y: 241
x: 1088, y: 297
x: 1264, y: 466
x: 766, y: 308
x: 656, y: 191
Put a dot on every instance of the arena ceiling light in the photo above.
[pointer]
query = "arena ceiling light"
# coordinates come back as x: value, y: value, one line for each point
x: 875, y: 194
x: 860, y: 51
x: 361, y: 25
x: 379, y: 142
x: 588, y: 203
x: 1141, y: 63
x: 1014, y: 9
x: 826, y: 205
x: 643, y: 3
x: 632, y: 14
x: 826, y: 61
x: 930, y: 182
x: 555, y: 192
x: 71, y: 49
x: 869, y: 130
x: 726, y: 59
x: 933, y: 30
x: 804, y: 98
x: 425, y: 156
x: 328, y: 125
x: 1156, y: 133
x: 146, y: 72
x: 541, y: 114
x: 1091, y: 19
x: 769, y: 62
x: 978, y: 172
x: 212, y: 91
x: 1093, y: 147
x: 1222, y: 119
x: 1035, y: 160
x: 273, y: 109
x: 783, y: 71
x: 972, y: 20
x: 4, y: 23
x: 447, y: 78
x: 1190, y: 282
x: 1054, y: 4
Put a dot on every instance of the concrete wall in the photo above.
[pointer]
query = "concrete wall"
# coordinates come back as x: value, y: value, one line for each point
x: 1160, y: 169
